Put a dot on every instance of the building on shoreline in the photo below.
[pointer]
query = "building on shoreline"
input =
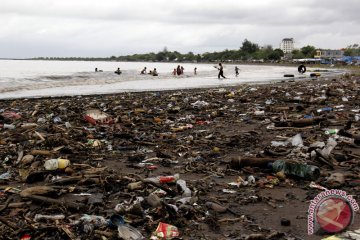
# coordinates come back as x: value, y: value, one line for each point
x: 329, y: 54
x: 287, y: 45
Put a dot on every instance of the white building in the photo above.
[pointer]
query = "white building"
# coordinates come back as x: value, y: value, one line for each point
x: 287, y: 45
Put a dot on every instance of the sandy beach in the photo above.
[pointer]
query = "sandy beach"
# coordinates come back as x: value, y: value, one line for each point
x: 198, y: 134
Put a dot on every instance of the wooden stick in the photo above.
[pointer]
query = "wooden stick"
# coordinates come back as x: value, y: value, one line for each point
x: 16, y: 205
x: 104, y: 233
x: 56, y: 201
x: 68, y: 233
x: 230, y: 220
x: 41, y: 152
x: 40, y: 136
x: 9, y: 224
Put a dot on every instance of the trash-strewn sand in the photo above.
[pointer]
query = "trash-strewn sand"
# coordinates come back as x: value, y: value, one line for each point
x: 195, y: 133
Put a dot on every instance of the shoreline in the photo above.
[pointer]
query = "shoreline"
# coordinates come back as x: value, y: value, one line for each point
x: 156, y: 84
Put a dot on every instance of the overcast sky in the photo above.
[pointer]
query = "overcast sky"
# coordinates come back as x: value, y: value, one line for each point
x: 101, y: 28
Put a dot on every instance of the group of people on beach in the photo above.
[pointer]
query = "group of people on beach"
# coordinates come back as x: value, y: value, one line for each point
x: 221, y: 71
x: 178, y: 71
x: 153, y: 72
x: 117, y: 71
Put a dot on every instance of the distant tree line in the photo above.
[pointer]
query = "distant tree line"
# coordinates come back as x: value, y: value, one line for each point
x: 352, y: 50
x: 304, y: 52
x: 249, y: 51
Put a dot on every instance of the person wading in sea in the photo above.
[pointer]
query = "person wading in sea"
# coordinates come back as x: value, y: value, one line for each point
x: 221, y: 71
x: 178, y: 70
x: 118, y: 71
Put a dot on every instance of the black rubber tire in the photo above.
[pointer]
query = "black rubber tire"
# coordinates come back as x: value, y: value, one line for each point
x: 302, y: 68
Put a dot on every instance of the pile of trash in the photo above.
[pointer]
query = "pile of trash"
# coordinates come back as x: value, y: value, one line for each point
x: 231, y: 163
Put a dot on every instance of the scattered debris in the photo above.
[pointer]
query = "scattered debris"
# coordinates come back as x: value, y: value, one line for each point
x: 196, y: 164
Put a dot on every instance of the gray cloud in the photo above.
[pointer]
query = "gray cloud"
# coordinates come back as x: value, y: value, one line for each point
x: 110, y: 27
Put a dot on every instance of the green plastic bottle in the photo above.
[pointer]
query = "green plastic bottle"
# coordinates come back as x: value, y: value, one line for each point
x: 304, y: 171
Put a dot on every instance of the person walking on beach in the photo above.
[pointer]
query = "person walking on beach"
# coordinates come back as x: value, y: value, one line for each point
x: 236, y: 71
x: 143, y: 71
x: 174, y: 72
x: 221, y: 71
x: 195, y: 71
x: 182, y: 70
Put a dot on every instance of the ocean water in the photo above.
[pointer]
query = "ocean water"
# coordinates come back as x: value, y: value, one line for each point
x: 35, y: 78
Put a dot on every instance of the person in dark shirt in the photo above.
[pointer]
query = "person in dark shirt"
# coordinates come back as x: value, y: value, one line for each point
x: 221, y: 71
x: 178, y: 70
x: 118, y: 71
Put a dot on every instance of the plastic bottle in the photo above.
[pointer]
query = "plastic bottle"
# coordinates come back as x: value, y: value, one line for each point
x: 28, y: 125
x: 57, y: 163
x: 5, y: 176
x: 325, y: 109
x: 7, y: 126
x: 330, y: 145
x: 164, y: 179
x: 129, y: 232
x: 90, y: 221
x: 186, y: 192
x: 125, y: 231
x: 308, y: 172
x: 52, y: 217
x: 331, y: 131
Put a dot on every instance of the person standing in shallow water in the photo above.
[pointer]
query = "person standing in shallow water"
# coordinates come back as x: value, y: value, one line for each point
x: 236, y: 71
x: 178, y: 70
x: 221, y: 71
x: 154, y: 73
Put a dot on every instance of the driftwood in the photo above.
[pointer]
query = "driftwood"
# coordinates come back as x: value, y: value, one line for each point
x: 82, y: 179
x: 239, y: 162
x: 14, y: 205
x: 48, y: 200
x: 68, y: 233
x: 274, y: 153
x: 38, y: 190
x: 305, y: 122
x: 299, y: 123
x: 9, y: 224
x: 34, y: 192
x: 41, y: 152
